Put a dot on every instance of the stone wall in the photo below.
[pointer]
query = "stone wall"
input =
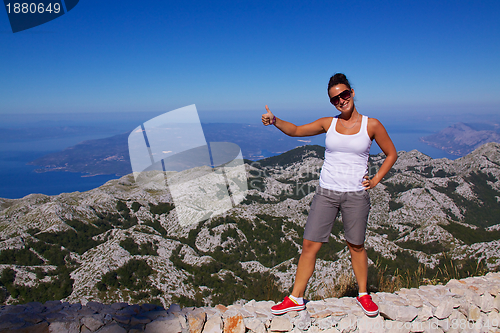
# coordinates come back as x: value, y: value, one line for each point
x: 468, y: 305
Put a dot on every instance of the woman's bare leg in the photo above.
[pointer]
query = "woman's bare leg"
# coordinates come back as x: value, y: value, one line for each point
x: 359, y: 260
x: 305, y: 268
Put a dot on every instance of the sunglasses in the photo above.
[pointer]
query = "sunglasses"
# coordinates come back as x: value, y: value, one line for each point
x: 345, y: 95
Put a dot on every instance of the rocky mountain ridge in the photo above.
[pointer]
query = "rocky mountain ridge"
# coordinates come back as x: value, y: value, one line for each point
x: 121, y: 242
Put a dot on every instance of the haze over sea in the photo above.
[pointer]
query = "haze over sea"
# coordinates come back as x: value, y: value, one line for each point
x: 18, y: 179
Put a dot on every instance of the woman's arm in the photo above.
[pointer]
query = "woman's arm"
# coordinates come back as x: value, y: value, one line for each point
x: 378, y: 133
x: 316, y: 127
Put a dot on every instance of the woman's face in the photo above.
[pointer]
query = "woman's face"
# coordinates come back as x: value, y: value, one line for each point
x: 344, y: 105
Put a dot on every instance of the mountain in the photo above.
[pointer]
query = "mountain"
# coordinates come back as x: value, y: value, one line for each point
x: 122, y: 242
x: 111, y: 155
x: 460, y: 139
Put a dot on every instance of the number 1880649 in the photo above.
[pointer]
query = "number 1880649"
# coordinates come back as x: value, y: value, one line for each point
x: 33, y: 8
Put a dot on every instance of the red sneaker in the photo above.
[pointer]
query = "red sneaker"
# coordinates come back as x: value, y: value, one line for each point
x: 287, y: 305
x: 366, y: 303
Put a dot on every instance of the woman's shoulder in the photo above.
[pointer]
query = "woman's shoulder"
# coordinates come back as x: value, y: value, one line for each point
x: 373, y: 121
x: 374, y: 126
x: 325, y: 122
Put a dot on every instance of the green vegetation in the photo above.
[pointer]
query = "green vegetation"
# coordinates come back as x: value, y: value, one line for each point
x: 293, y: 156
x: 77, y: 241
x: 470, y: 236
x: 443, y: 174
x: 487, y: 213
x: 133, y: 276
x: 7, y: 283
x: 264, y: 240
x: 329, y: 250
x: 145, y: 249
x: 161, y: 208
x: 23, y: 257
x: 227, y: 280
x: 482, y: 214
x: 395, y: 189
x: 59, y: 287
x: 54, y: 254
x: 403, y: 261
x: 135, y: 206
x: 390, y: 231
x: 429, y: 248
x: 156, y: 225
x: 393, y: 205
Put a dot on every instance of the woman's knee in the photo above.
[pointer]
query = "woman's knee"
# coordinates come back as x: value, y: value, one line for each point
x: 356, y: 248
x: 310, y: 247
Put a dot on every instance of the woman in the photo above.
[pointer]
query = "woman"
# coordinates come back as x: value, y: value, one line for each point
x: 343, y: 185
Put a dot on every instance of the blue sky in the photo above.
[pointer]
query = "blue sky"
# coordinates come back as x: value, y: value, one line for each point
x: 404, y: 58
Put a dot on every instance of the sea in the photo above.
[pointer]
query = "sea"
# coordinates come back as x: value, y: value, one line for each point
x: 18, y: 178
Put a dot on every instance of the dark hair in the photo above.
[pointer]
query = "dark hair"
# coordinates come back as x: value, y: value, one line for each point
x: 338, y: 78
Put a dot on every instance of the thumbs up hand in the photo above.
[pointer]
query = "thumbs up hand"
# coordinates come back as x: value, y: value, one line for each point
x: 267, y: 118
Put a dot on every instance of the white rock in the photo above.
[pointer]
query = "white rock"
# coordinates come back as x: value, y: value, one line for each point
x: 472, y: 298
x: 174, y: 308
x: 255, y: 325
x: 486, y: 303
x: 330, y: 330
x: 407, y: 313
x: 415, y: 300
x: 196, y: 320
x: 444, y: 310
x: 182, y: 320
x: 494, y: 290
x: 445, y: 324
x: 417, y: 326
x: 326, y: 323
x: 64, y: 326
x: 388, y: 310
x: 348, y: 324
x: 473, y: 313
x: 169, y: 324
x: 496, y: 303
x: 281, y: 324
x: 457, y: 300
x: 392, y: 326
x: 113, y: 328
x: 494, y: 319
x: 213, y: 325
x: 432, y: 326
x: 425, y: 313
x: 93, y: 323
x: 234, y: 324
x: 435, y: 301
x: 314, y: 329
x: 303, y: 321
x: 371, y: 324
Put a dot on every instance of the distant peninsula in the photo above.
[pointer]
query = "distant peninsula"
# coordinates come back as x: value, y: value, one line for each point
x: 111, y: 156
x: 460, y: 139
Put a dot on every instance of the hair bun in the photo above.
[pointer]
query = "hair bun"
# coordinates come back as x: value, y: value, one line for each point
x: 338, y: 78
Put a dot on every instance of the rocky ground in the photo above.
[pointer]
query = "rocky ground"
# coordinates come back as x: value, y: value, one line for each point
x: 467, y: 305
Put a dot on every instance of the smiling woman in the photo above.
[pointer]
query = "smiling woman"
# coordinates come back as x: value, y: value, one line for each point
x: 342, y: 187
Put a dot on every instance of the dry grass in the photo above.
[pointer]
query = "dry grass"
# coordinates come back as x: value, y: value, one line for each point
x: 421, y: 276
x: 345, y: 284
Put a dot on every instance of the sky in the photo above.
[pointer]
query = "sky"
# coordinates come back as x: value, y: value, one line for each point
x: 231, y: 58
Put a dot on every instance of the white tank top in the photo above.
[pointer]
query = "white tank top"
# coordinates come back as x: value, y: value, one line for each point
x: 346, y: 158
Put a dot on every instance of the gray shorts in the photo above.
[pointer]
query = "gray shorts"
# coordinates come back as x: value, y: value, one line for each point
x: 354, y: 206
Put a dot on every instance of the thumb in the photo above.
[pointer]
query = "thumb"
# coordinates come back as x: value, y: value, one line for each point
x: 268, y: 111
